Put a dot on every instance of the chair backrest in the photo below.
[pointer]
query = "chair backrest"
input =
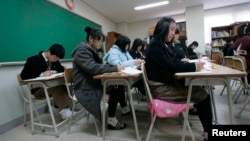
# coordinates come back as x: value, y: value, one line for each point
x: 145, y: 80
x: 22, y: 84
x: 222, y: 61
x: 242, y: 61
x: 228, y: 60
x: 20, y: 80
x: 69, y: 81
x: 239, y: 63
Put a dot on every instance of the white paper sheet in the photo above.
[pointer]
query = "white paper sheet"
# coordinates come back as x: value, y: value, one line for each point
x: 132, y: 71
x: 46, y: 77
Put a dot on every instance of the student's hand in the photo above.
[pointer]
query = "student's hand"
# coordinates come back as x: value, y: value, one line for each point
x: 185, y: 59
x: 49, y: 72
x: 120, y: 68
x: 138, y: 62
x: 199, y: 65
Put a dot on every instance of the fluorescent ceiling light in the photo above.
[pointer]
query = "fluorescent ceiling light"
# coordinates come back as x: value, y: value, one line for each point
x: 151, y: 5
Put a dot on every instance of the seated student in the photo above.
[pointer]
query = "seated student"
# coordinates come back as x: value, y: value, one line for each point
x: 135, y: 51
x: 119, y: 55
x: 88, y: 91
x: 46, y: 63
x: 242, y: 44
x: 144, y: 48
x: 228, y: 49
x: 191, y: 48
x: 161, y: 66
x: 180, y: 47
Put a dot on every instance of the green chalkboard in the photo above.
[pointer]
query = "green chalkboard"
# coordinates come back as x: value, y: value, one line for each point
x: 30, y: 26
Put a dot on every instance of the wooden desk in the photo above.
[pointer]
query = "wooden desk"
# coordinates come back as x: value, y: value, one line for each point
x: 45, y: 83
x: 219, y: 75
x: 119, y: 79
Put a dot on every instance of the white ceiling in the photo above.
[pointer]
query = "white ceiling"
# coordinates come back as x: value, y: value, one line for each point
x: 120, y: 11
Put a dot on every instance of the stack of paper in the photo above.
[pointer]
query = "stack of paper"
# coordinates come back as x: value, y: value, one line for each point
x: 129, y: 70
x: 46, y: 77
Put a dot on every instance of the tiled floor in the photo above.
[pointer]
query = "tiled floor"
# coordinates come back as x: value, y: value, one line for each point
x: 165, y: 129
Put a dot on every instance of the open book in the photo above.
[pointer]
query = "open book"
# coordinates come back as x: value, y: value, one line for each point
x: 46, y: 77
x: 130, y: 70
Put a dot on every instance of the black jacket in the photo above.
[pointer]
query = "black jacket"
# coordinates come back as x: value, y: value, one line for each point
x: 191, y: 53
x: 135, y: 54
x: 36, y: 64
x: 181, y: 51
x: 162, y: 63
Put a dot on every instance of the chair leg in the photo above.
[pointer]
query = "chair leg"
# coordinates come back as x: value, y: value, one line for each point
x: 237, y: 95
x: 97, y: 129
x: 71, y: 117
x: 234, y: 82
x: 25, y: 113
x: 244, y: 106
x: 38, y: 116
x: 185, y: 126
x: 221, y: 93
x: 151, y: 127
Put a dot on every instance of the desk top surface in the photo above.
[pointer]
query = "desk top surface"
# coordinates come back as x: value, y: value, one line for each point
x: 116, y: 75
x: 216, y: 71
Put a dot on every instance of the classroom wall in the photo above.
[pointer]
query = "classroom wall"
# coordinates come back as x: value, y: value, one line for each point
x: 89, y: 13
x: 195, y: 26
x: 212, y: 18
x: 11, y: 102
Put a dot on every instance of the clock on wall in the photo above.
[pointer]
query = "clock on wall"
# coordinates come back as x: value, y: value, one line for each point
x: 70, y: 4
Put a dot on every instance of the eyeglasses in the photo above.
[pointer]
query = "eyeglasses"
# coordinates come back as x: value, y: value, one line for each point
x: 99, y: 41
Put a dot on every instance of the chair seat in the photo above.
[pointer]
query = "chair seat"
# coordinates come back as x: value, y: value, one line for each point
x: 163, y: 109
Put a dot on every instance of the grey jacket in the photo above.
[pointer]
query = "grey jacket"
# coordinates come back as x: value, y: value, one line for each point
x: 88, y: 91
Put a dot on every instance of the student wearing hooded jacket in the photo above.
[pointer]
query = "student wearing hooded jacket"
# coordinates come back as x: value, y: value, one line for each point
x: 88, y: 91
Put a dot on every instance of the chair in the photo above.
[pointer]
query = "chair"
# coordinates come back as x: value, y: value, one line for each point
x: 154, y: 115
x: 222, y: 61
x: 240, y: 64
x: 69, y: 85
x: 23, y: 86
x: 228, y: 62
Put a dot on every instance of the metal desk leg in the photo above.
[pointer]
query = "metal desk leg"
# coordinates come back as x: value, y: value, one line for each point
x: 31, y: 111
x: 50, y: 110
x: 104, y: 110
x: 127, y: 84
x: 229, y: 97
x: 133, y: 110
x: 211, y: 93
x: 186, y: 122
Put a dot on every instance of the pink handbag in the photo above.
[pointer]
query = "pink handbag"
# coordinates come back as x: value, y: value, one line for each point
x: 165, y: 109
